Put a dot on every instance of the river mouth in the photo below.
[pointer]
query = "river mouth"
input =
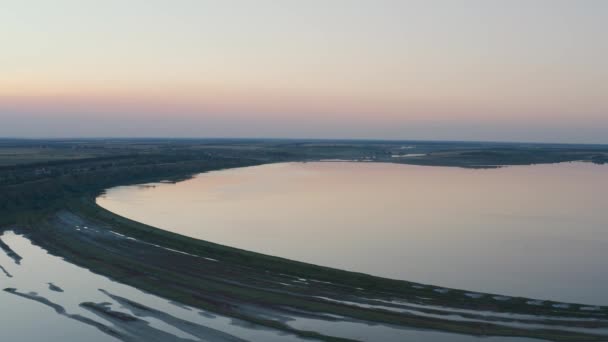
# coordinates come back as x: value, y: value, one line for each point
x: 508, y: 230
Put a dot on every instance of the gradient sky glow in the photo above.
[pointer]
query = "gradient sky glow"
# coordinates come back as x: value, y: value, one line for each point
x: 525, y: 70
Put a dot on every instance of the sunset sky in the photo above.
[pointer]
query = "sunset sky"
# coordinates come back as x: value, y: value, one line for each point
x: 511, y: 70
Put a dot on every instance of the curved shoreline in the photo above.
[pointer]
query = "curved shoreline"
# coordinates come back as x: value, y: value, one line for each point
x: 395, y: 221
x: 46, y: 202
x: 242, y: 279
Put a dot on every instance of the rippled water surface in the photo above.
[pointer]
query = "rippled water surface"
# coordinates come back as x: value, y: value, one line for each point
x: 537, y: 231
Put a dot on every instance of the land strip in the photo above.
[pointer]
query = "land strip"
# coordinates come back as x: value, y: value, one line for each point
x: 53, y: 204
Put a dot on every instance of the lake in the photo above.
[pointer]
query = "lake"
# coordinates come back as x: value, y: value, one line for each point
x: 536, y: 231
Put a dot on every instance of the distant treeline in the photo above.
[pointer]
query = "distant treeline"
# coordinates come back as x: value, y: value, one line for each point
x: 41, y: 186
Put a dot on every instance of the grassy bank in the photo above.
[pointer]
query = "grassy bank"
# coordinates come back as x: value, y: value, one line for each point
x: 230, y: 281
x: 54, y: 205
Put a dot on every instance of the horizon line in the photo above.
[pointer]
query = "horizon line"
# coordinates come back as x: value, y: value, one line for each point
x: 296, y: 139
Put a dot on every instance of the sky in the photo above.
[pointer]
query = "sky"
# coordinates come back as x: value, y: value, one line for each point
x: 510, y: 70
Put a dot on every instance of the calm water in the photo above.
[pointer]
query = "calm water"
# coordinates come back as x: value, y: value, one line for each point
x: 536, y: 231
x: 32, y: 319
x: 28, y: 320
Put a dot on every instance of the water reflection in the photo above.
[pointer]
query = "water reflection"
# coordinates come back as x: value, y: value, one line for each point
x: 48, y: 299
x: 67, y: 303
x: 536, y: 231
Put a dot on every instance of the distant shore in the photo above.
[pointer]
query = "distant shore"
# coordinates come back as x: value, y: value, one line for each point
x: 242, y: 284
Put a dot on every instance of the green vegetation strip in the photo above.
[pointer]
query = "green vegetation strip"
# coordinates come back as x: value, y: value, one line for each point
x: 45, y: 198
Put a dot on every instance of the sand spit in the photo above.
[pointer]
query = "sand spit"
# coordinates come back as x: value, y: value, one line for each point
x: 249, y: 287
x: 141, y: 310
x: 117, y: 311
x: 55, y: 288
x: 6, y: 273
x: 16, y: 257
x: 61, y: 311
